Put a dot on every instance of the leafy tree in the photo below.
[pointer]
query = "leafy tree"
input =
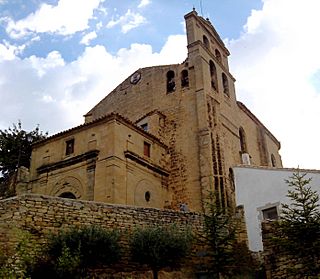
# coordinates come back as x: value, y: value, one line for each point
x: 299, y: 227
x: 15, y: 151
x: 159, y: 247
x: 71, y: 254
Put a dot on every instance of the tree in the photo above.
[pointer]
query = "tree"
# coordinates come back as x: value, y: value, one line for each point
x: 220, y: 234
x: 159, y: 247
x: 15, y: 151
x: 299, y: 227
x: 221, y: 228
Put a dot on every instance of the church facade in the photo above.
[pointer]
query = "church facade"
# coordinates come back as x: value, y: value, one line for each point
x: 165, y: 136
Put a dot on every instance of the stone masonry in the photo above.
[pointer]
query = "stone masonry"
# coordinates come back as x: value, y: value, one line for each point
x: 277, y: 262
x: 42, y: 215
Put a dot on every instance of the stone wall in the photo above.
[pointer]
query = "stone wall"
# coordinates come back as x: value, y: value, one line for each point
x: 43, y: 214
x: 277, y: 262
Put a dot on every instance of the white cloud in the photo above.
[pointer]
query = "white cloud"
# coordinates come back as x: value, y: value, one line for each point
x: 8, y: 51
x: 88, y: 37
x: 99, y: 25
x: 42, y: 65
x: 144, y: 3
x: 128, y: 21
x: 274, y: 61
x: 67, y: 17
x: 56, y: 94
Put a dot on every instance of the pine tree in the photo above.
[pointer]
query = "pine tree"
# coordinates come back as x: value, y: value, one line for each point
x: 299, y: 228
x: 220, y: 233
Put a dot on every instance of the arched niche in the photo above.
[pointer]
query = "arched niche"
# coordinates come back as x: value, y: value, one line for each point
x: 70, y: 185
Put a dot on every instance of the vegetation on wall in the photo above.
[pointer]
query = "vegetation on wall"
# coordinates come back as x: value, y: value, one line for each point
x: 72, y: 253
x: 76, y: 252
x: 298, y: 231
x: 159, y: 247
x: 15, y: 151
x: 17, y: 261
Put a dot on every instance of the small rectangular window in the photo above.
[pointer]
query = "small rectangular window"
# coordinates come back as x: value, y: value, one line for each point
x: 270, y: 213
x: 146, y: 149
x: 69, y: 146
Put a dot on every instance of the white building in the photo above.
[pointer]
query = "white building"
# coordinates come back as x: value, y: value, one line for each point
x: 261, y: 192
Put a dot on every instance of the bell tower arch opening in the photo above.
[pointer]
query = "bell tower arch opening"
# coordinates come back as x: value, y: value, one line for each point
x: 206, y: 41
x: 171, y: 84
x: 213, y: 74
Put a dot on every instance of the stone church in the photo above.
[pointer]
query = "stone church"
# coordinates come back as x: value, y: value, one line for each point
x: 163, y: 137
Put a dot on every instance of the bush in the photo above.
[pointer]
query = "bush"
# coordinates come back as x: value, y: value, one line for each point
x: 70, y: 254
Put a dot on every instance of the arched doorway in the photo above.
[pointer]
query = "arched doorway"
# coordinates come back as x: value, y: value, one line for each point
x: 68, y: 195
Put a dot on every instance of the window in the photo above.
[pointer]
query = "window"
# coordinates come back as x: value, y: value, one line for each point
x: 146, y: 149
x: 218, y: 55
x: 213, y: 74
x: 225, y: 84
x: 243, y: 143
x: 69, y: 146
x: 147, y: 196
x: 184, y: 78
x: 171, y: 85
x: 273, y: 161
x: 206, y: 42
x: 145, y: 127
x: 270, y: 213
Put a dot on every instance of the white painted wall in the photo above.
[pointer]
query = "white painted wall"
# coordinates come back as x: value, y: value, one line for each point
x: 258, y: 188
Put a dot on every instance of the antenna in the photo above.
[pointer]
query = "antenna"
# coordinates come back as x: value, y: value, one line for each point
x: 201, y: 7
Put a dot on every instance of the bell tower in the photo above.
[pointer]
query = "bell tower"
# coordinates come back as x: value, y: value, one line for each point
x: 216, y: 103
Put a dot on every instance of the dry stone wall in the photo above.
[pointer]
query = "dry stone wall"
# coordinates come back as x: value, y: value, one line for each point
x: 42, y: 215
x: 277, y: 263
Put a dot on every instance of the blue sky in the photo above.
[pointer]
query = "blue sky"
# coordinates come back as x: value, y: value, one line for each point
x: 154, y: 20
x: 58, y: 58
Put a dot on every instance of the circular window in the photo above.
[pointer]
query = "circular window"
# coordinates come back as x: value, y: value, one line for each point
x: 147, y: 196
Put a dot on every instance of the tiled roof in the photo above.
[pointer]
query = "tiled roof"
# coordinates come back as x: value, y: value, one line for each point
x: 106, y: 118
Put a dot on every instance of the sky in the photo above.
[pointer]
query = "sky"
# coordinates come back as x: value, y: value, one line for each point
x: 58, y: 58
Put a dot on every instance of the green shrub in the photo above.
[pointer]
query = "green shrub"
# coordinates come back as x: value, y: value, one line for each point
x: 70, y: 254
